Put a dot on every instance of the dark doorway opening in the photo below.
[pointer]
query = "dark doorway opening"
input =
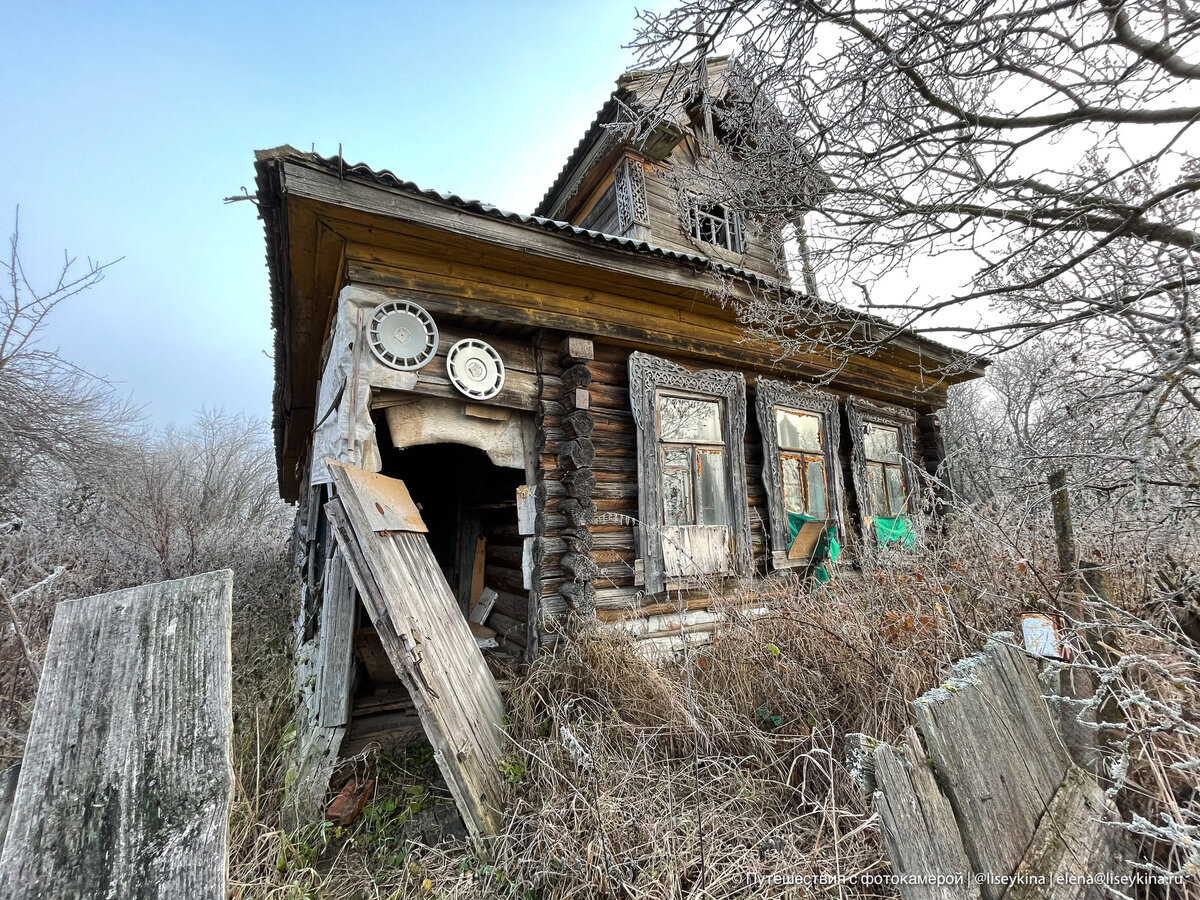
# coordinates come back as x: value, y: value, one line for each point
x: 463, y: 497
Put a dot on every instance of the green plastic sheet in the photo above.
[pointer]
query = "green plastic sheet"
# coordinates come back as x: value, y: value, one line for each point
x: 895, y: 530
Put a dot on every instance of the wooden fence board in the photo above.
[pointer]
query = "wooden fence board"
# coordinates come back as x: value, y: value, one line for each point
x: 335, y: 658
x: 126, y: 783
x: 431, y: 647
x: 996, y: 752
x: 918, y: 825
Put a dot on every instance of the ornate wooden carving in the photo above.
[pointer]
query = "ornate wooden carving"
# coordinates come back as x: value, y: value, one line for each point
x: 858, y: 413
x: 633, y: 209
x: 770, y: 394
x: 648, y: 374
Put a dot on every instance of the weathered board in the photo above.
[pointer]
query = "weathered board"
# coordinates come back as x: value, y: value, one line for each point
x: 996, y: 752
x: 126, y: 783
x: 335, y: 656
x: 431, y: 647
x: 918, y: 825
x: 1075, y: 839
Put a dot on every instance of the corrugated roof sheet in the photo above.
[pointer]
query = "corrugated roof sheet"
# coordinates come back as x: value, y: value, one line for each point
x: 387, y: 178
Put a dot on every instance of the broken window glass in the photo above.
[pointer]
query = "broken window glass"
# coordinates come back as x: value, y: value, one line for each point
x: 793, y: 487
x: 802, y: 462
x: 816, y: 508
x: 716, y: 224
x: 677, y: 488
x: 895, y: 490
x: 694, y: 478
x: 798, y: 430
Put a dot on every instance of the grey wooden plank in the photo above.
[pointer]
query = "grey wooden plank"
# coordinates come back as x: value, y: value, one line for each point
x: 918, y: 826
x: 996, y: 752
x: 336, y: 647
x: 1074, y: 839
x: 431, y: 647
x: 8, y: 793
x: 126, y: 783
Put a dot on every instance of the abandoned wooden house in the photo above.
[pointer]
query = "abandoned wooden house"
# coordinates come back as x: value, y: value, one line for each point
x: 585, y: 429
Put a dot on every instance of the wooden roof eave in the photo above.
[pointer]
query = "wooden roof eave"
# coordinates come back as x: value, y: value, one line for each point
x: 308, y: 267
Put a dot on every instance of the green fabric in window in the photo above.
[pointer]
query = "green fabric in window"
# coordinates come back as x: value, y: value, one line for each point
x: 895, y: 530
x: 827, y: 550
x: 827, y: 553
x: 795, y: 523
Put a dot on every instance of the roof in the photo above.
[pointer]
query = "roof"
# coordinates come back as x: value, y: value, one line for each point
x: 268, y: 165
x: 633, y: 89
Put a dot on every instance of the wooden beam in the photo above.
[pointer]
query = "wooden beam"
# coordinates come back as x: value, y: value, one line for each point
x: 126, y: 783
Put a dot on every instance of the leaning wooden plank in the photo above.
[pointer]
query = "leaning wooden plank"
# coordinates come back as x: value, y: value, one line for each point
x: 126, y: 782
x: 431, y: 647
x: 918, y: 826
x: 997, y: 755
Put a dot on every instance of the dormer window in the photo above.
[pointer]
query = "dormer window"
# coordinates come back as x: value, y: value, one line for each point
x: 716, y: 224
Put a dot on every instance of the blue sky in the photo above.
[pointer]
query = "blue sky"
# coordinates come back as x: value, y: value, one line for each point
x: 126, y: 124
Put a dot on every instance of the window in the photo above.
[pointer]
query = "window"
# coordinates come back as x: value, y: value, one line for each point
x: 801, y: 463
x: 694, y: 517
x: 716, y: 224
x: 800, y: 437
x: 693, y: 461
x: 883, y: 454
x: 885, y: 479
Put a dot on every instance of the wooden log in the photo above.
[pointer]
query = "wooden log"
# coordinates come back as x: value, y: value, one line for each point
x: 579, y: 567
x: 996, y: 752
x: 578, y: 424
x: 580, y: 483
x: 578, y: 398
x: 576, y: 349
x: 918, y: 824
x: 577, y: 512
x: 577, y: 540
x: 577, y: 454
x: 580, y: 597
x: 579, y: 376
x: 126, y: 783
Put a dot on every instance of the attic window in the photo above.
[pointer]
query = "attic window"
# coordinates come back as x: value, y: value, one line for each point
x: 716, y: 224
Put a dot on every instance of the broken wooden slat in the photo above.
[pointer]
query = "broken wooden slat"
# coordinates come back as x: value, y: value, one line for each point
x: 335, y: 658
x: 998, y: 757
x: 431, y: 647
x: 126, y: 783
x: 918, y: 826
x: 483, y: 607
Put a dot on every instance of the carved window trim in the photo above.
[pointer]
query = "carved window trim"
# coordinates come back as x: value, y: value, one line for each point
x: 647, y: 376
x: 859, y: 413
x: 633, y: 208
x: 770, y: 395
